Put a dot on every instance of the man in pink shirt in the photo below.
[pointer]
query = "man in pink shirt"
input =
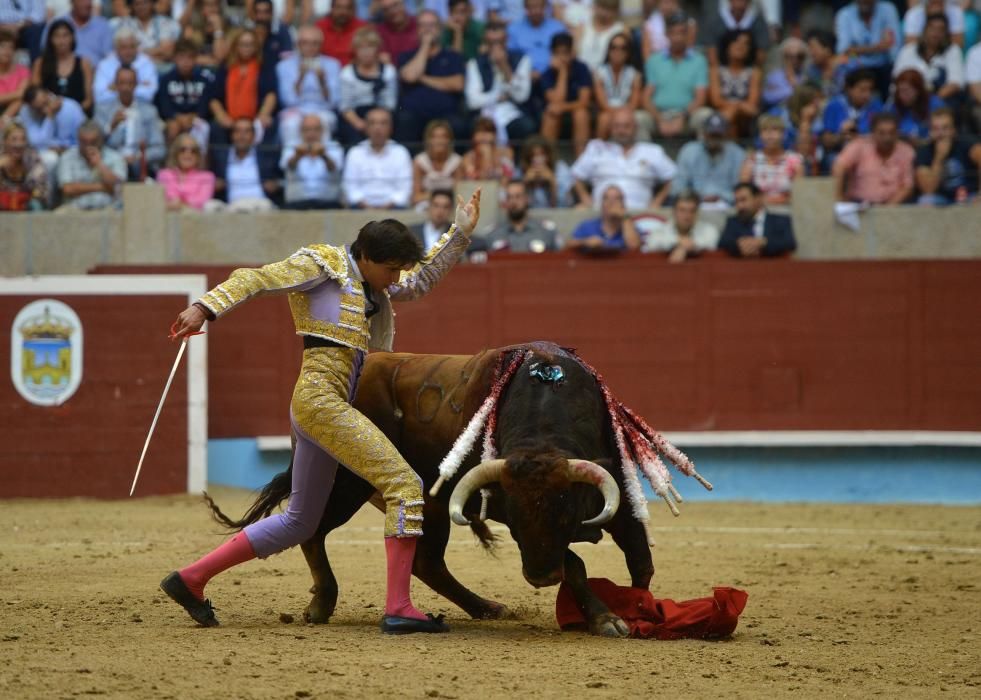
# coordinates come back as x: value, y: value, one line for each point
x: 397, y: 30
x: 877, y: 168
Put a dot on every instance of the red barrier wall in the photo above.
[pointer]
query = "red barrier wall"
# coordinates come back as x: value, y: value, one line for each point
x: 713, y: 344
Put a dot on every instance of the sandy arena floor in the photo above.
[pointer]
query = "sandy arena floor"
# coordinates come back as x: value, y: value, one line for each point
x: 843, y: 601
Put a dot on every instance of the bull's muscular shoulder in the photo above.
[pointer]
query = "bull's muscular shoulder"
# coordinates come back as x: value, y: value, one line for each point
x: 332, y: 259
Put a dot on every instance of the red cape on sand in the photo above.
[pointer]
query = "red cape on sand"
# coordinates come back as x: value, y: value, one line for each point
x: 650, y: 618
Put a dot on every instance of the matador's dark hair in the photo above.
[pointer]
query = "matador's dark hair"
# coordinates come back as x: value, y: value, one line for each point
x: 388, y: 240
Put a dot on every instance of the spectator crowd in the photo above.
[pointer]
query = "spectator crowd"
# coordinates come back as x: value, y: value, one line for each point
x: 588, y: 103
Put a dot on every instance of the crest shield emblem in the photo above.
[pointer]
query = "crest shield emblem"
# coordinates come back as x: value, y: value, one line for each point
x: 46, y: 352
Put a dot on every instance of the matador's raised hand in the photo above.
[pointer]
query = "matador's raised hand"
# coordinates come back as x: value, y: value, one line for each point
x: 467, y: 215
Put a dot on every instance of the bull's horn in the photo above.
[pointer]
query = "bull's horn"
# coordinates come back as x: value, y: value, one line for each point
x: 481, y: 475
x: 592, y: 473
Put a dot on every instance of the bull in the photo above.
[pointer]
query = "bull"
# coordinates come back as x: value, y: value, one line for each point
x: 557, y: 481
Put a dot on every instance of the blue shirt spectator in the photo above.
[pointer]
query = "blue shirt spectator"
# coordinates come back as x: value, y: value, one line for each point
x: 613, y: 230
x: 675, y: 80
x: 593, y: 228
x: 532, y: 35
x: 579, y: 77
x: 184, y: 93
x: 840, y: 114
x: 869, y: 24
x: 93, y: 35
x: 51, y: 122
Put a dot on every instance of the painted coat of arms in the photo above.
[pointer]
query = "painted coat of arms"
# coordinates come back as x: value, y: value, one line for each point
x: 46, y: 352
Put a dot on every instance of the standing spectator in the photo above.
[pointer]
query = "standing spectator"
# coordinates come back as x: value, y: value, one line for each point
x: 684, y: 236
x: 52, y: 123
x: 734, y: 82
x: 437, y: 167
x: 92, y: 32
x: 155, y: 33
x: 487, y: 160
x: 206, y: 23
x: 734, y: 15
x: 654, y: 37
x: 824, y: 68
x: 182, y: 97
x: 127, y: 53
x: 309, y: 83
x: 520, y: 233
x: 439, y: 214
x: 245, y: 177
x: 677, y: 80
x: 23, y: 178
x: 641, y: 170
x: 912, y: 103
x: 498, y: 85
x: 947, y: 167
x: 754, y: 232
x: 273, y: 36
x: 378, y: 171
x: 366, y: 83
x: 432, y: 83
x: 915, y: 19
x: 772, y: 168
x: 313, y: 168
x: 14, y: 78
x: 848, y: 115
x: 612, y: 230
x: 90, y: 173
x: 781, y: 82
x: 463, y: 33
x: 186, y: 184
x: 568, y: 86
x: 710, y: 166
x: 244, y: 88
x: 547, y: 180
x: 618, y: 84
x: 592, y: 38
x: 868, y: 32
x: 131, y: 126
x: 339, y: 28
x: 972, y: 75
x: 532, y: 35
x: 397, y: 30
x: 24, y: 20
x: 60, y: 70
x: 877, y: 169
x: 937, y: 57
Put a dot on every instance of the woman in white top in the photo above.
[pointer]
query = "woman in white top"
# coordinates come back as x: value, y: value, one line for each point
x: 616, y: 83
x: 437, y: 167
x: 593, y: 36
x: 654, y: 37
x: 914, y: 20
x: 366, y: 83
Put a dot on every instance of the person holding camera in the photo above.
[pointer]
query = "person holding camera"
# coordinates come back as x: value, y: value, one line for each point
x: 308, y: 83
x: 313, y: 168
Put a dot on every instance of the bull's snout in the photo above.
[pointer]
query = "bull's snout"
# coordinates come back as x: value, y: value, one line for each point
x: 551, y: 578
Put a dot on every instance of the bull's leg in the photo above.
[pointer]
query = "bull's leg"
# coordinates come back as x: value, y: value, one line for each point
x: 630, y: 537
x: 601, y: 621
x: 324, y: 588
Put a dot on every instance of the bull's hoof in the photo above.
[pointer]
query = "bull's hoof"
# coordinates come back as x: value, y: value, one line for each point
x: 609, y: 625
x: 494, y: 611
x: 318, y: 612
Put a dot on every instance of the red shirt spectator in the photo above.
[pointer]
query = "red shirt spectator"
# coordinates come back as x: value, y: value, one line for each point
x: 339, y: 27
x: 398, y: 30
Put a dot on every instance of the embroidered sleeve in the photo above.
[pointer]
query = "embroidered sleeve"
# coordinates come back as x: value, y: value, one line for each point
x: 422, y: 278
x: 306, y: 268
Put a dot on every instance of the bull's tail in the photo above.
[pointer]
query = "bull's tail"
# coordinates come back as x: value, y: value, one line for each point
x: 272, y: 495
x: 487, y: 539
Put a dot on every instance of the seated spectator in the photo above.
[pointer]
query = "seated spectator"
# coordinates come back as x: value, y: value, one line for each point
x: 618, y: 84
x: 654, y: 37
x: 14, y: 78
x: 754, y: 232
x: 710, y: 166
x: 612, y: 230
x: 246, y: 178
x: 155, y: 33
x: 182, y: 98
x: 206, y: 23
x: 313, y: 168
x: 849, y: 114
x: 734, y: 82
x: 568, y: 86
x: 463, y: 33
x: 486, y: 160
x: 339, y: 27
x: 868, y: 32
x: 734, y: 15
x: 92, y: 31
x: 641, y: 170
x: 936, y: 57
x: 947, y: 166
x: 378, y: 171
x: 781, y: 82
x: 23, y: 178
x: 127, y: 53
x: 60, y: 70
x: 437, y: 167
x: 90, y: 173
x: 309, y: 83
x: 592, y: 38
x: 532, y: 36
x: 677, y: 81
x: 915, y: 19
x: 24, y: 20
x: 366, y: 84
x: 272, y: 36
x: 825, y: 69
x: 972, y: 74
x: 547, y: 180
x: 432, y: 83
x: 498, y: 86
x: 51, y: 122
x: 244, y: 88
x: 801, y: 117
x: 684, y: 236
x: 520, y: 233
x: 772, y: 168
x: 912, y: 104
x: 877, y: 169
x: 398, y: 31
x: 187, y: 185
x: 131, y: 127
x: 439, y: 215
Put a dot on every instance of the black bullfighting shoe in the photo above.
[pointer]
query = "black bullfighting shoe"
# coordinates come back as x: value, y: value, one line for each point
x: 201, y: 611
x: 393, y: 624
